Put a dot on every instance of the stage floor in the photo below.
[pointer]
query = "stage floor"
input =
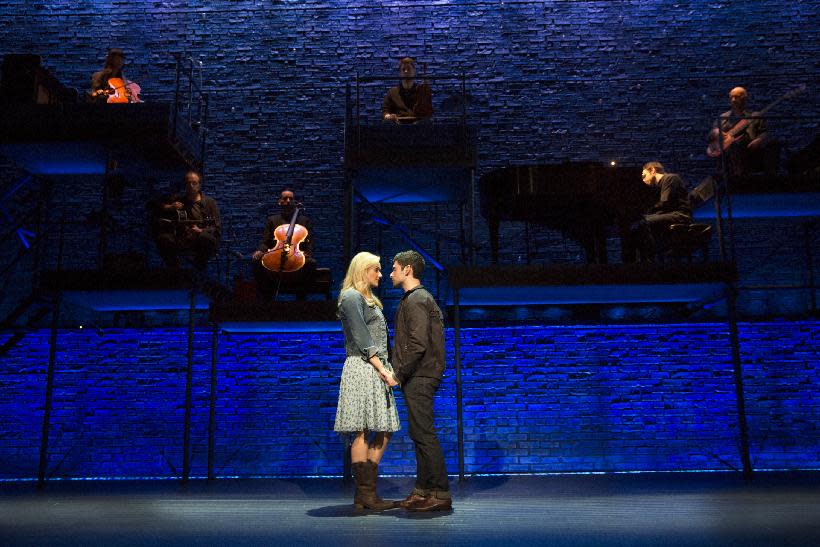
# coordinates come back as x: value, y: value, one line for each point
x: 635, y: 509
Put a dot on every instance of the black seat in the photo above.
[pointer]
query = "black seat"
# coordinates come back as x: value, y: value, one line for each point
x: 320, y: 284
x: 686, y: 239
x: 245, y: 290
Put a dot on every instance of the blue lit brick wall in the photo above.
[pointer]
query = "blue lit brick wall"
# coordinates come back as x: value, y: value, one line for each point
x: 551, y: 81
x: 536, y: 399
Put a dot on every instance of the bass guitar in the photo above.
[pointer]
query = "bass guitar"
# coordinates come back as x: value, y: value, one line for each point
x: 716, y: 147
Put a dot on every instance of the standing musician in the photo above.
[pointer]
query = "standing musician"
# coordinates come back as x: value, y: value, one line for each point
x: 188, y: 224
x: 110, y: 85
x: 409, y: 101
x: 267, y: 280
x: 748, y: 149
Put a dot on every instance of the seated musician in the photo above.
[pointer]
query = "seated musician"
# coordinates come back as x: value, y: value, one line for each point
x: 752, y: 150
x: 267, y: 280
x: 110, y: 84
x: 188, y: 224
x: 647, y: 236
x: 409, y: 101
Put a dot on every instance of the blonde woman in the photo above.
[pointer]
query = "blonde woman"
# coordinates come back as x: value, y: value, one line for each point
x: 366, y: 406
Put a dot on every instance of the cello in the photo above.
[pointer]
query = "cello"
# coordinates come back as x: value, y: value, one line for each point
x: 286, y: 256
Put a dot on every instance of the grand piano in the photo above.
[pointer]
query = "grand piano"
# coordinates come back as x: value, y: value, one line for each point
x: 584, y: 200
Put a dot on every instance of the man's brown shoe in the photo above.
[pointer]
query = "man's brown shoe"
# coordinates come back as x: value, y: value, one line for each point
x: 431, y: 503
x: 410, y: 500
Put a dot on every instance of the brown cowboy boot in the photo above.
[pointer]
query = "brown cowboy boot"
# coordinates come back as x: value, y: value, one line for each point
x: 366, y: 497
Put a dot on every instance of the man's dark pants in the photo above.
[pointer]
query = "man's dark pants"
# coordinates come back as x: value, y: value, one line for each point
x: 648, y: 236
x: 431, y: 473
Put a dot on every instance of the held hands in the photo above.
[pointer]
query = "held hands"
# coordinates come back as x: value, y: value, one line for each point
x: 387, y: 377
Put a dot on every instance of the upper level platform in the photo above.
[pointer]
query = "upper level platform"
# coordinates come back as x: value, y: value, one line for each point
x: 425, y: 162
x: 588, y: 284
x: 75, y: 138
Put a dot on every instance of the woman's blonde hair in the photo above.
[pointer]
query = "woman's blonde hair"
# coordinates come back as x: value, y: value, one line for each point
x: 356, y: 277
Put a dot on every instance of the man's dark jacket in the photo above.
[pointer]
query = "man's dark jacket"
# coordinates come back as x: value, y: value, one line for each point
x: 418, y: 344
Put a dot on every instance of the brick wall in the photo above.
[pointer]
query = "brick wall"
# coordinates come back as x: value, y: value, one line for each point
x: 536, y: 399
x: 550, y: 81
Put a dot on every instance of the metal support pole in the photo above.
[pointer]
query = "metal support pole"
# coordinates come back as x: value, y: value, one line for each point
x: 52, y: 360
x: 186, y: 438
x: 737, y: 371
x: 349, y: 211
x: 472, y: 216
x: 176, y: 96
x: 459, y: 394
x: 212, y: 410
x: 807, y: 239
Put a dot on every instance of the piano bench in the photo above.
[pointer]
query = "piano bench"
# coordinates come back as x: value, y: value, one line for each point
x: 685, y: 239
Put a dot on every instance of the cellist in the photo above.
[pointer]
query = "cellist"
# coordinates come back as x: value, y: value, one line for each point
x: 266, y: 280
x: 409, y: 101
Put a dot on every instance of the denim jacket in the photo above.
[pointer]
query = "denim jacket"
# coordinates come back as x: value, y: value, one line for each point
x: 356, y: 315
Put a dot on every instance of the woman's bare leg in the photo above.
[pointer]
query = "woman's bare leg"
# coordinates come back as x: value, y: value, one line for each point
x: 359, y: 449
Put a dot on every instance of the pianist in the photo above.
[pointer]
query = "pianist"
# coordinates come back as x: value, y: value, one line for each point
x: 409, y: 101
x: 647, y: 236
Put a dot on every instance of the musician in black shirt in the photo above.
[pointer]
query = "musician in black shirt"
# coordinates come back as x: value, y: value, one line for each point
x: 188, y: 224
x: 672, y: 207
x: 266, y: 280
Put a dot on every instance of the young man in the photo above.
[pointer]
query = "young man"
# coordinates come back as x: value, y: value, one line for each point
x: 418, y: 362
x: 672, y: 207
x: 407, y: 101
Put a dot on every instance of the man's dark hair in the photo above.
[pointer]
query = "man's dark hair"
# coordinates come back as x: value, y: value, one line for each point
x: 656, y: 165
x: 412, y: 259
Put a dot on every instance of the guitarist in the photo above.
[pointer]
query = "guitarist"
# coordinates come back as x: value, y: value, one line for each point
x: 114, y: 63
x: 266, y: 281
x: 109, y: 85
x: 188, y: 224
x: 752, y: 149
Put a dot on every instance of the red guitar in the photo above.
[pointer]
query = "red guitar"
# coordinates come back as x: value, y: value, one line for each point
x: 121, y: 90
